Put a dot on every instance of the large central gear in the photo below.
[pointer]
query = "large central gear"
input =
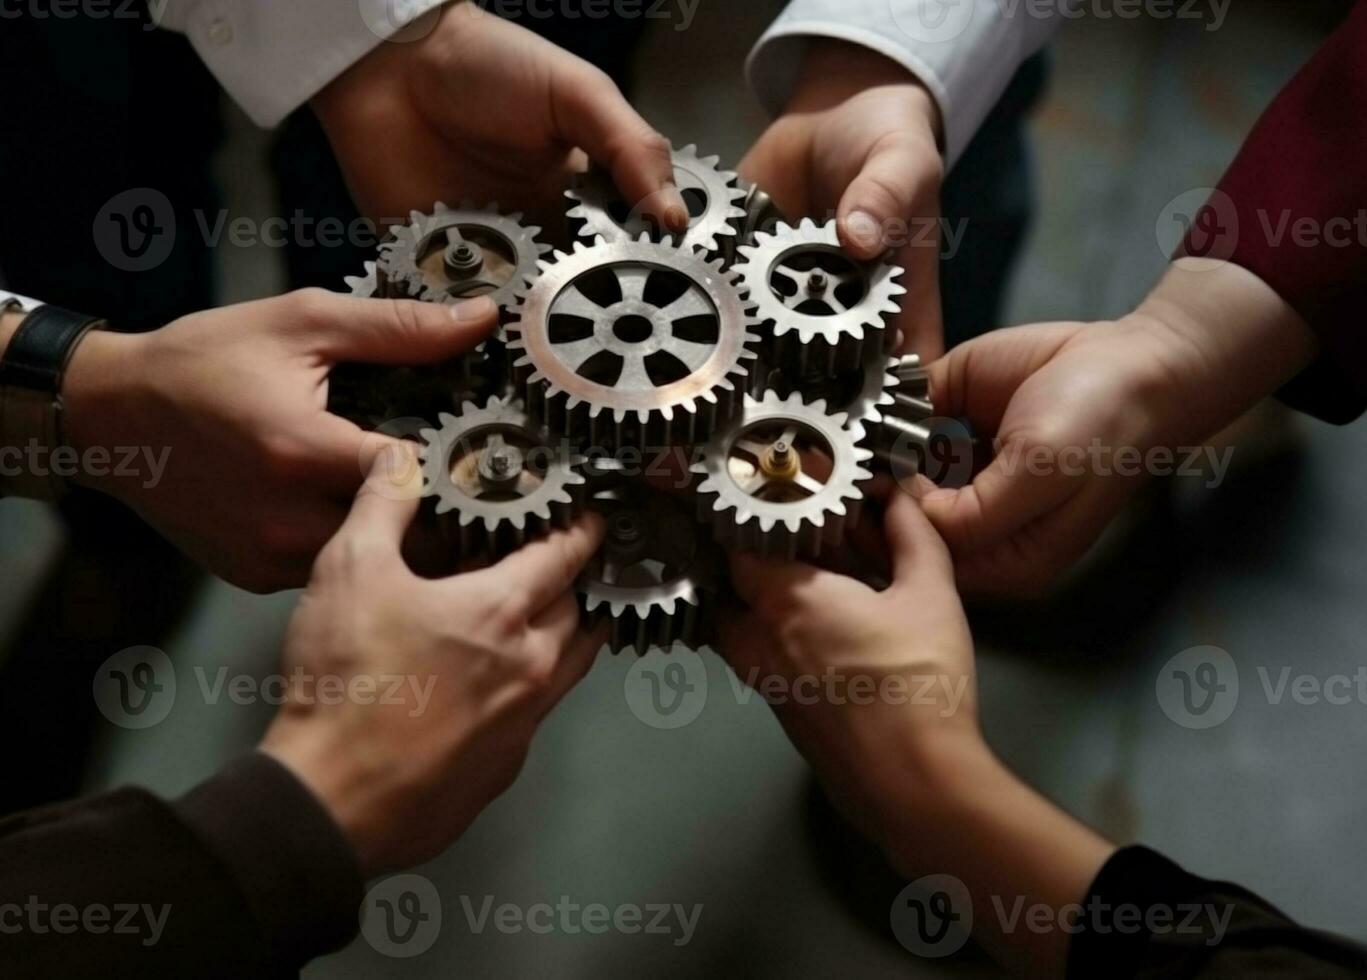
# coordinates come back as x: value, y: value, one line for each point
x: 655, y: 575
x: 455, y: 254
x: 500, y: 477
x: 632, y: 344
x: 820, y: 308
x: 783, y: 479
x: 713, y: 197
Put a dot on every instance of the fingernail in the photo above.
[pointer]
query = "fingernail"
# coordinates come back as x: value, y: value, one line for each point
x: 863, y: 228
x: 474, y: 309
x: 677, y: 218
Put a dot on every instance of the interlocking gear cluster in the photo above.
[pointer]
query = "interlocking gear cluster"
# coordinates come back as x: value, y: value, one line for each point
x: 733, y: 387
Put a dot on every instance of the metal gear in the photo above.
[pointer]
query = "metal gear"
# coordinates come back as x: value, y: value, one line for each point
x: 501, y: 478
x: 713, y: 196
x: 655, y: 575
x: 365, y: 286
x: 819, y: 307
x: 761, y: 490
x: 455, y: 254
x: 632, y: 343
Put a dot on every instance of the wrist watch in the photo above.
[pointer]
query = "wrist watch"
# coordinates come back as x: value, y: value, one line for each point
x: 32, y: 367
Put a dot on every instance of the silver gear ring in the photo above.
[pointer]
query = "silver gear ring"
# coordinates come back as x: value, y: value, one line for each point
x: 455, y: 254
x: 632, y: 344
x: 714, y: 197
x: 654, y: 577
x: 819, y: 307
x: 760, y: 491
x: 500, y: 478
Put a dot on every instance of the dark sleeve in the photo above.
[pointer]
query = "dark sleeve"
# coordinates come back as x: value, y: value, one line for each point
x: 1293, y: 210
x: 1146, y: 918
x: 246, y: 876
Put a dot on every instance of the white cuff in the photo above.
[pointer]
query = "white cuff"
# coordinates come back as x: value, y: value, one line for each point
x: 272, y: 56
x: 25, y: 304
x: 964, y: 51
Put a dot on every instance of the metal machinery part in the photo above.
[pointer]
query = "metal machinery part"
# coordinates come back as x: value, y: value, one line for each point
x: 761, y: 214
x: 455, y: 254
x: 632, y: 344
x: 713, y: 196
x: 655, y: 575
x: 819, y: 308
x: 373, y: 395
x: 500, y: 477
x: 783, y: 479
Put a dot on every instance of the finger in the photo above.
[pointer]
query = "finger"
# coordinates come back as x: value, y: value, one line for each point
x: 776, y: 586
x: 559, y: 621
x: 543, y: 571
x: 384, y: 509
x: 591, y: 112
x: 1000, y: 501
x: 978, y: 379
x: 741, y: 642
x: 343, y: 455
x: 919, y: 554
x: 578, y: 659
x: 395, y: 331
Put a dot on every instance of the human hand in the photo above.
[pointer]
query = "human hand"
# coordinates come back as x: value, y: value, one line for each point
x: 481, y: 109
x: 1083, y: 412
x: 247, y: 471
x: 888, y: 677
x: 481, y: 659
x: 858, y: 140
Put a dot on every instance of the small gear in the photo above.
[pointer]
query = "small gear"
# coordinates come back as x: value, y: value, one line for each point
x: 632, y: 343
x: 783, y: 479
x: 500, y: 477
x: 819, y: 307
x: 455, y: 254
x: 713, y: 196
x: 655, y: 575
x: 906, y: 419
x: 365, y: 286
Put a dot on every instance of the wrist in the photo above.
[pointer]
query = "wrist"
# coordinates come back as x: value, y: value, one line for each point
x: 98, y: 396
x: 1224, y: 340
x: 9, y: 323
x: 835, y: 71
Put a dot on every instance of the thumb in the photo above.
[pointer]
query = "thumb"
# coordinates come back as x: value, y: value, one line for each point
x: 398, y: 331
x: 895, y: 203
x: 591, y: 112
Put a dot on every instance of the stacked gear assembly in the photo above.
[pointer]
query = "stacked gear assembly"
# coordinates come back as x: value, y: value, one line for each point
x: 730, y: 387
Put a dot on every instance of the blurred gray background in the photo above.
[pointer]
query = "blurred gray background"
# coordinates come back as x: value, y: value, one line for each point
x: 719, y: 813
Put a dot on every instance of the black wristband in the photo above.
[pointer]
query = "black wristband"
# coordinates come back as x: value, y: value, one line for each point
x: 37, y: 354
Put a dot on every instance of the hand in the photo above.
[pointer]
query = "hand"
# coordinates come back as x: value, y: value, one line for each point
x: 482, y: 657
x: 1082, y: 412
x: 910, y: 643
x: 909, y: 767
x: 232, y: 403
x: 858, y: 140
x: 484, y: 110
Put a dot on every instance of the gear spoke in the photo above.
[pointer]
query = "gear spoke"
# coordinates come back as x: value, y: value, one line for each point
x: 632, y: 280
x: 572, y: 302
x: 634, y: 376
x: 751, y: 448
x: 809, y: 483
x: 754, y: 486
x: 692, y: 303
x: 576, y: 353
x: 693, y: 354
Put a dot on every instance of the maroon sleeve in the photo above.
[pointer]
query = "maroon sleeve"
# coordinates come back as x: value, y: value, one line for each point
x: 1293, y: 210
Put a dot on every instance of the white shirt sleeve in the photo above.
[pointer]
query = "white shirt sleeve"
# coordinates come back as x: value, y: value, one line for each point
x: 272, y: 56
x: 25, y: 304
x: 964, y: 51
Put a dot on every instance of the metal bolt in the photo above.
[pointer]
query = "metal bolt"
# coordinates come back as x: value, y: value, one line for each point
x: 817, y: 282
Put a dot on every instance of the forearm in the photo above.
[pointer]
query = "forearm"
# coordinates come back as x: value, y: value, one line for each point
x: 963, y: 813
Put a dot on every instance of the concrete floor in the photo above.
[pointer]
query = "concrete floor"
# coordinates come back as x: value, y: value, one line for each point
x: 1268, y: 567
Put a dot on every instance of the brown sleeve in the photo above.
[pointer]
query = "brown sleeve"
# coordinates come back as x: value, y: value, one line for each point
x: 245, y: 876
